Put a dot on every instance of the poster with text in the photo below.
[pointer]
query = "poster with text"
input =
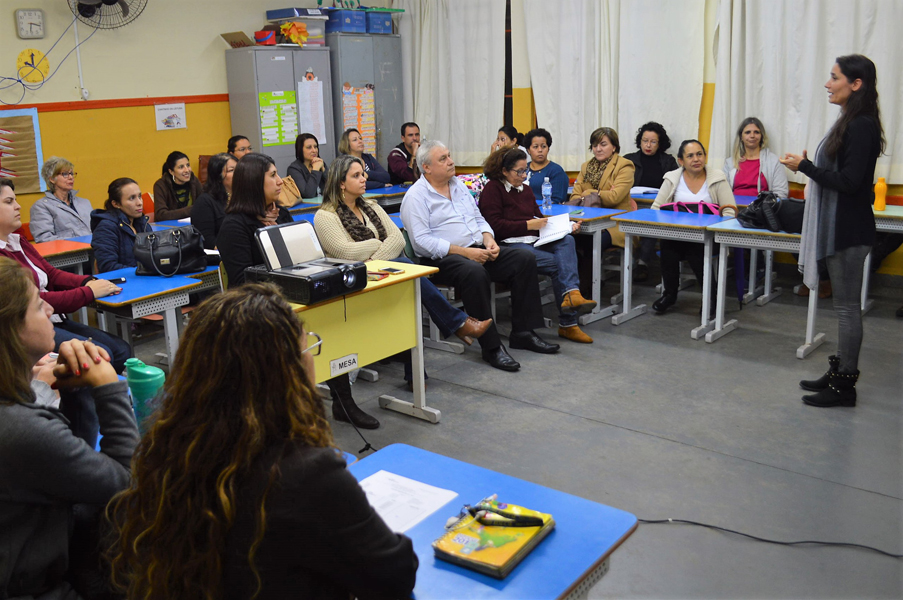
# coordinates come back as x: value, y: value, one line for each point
x: 359, y: 111
x: 170, y: 116
x: 21, y: 156
x: 311, y: 113
x: 278, y: 117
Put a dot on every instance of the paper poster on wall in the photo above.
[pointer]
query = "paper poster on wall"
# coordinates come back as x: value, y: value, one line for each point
x: 359, y: 111
x: 311, y: 112
x: 170, y: 116
x: 278, y: 117
x: 21, y: 155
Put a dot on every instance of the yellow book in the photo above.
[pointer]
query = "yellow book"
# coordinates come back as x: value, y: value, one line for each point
x: 476, y: 542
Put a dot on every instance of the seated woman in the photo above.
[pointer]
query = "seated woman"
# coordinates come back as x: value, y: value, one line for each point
x: 210, y: 207
x: 238, y: 489
x: 45, y: 470
x: 511, y: 210
x: 538, y: 143
x: 754, y: 168
x: 691, y: 183
x: 352, y: 228
x: 652, y: 161
x: 352, y: 144
x: 508, y: 137
x: 308, y: 171
x: 256, y: 187
x: 605, y: 180
x: 65, y: 292
x: 116, y: 225
x: 238, y: 146
x: 176, y: 190
x: 61, y: 213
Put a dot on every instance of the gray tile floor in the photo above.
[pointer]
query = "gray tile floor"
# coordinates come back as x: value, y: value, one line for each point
x: 652, y: 422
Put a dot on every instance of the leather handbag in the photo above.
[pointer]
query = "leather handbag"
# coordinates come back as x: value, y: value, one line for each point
x: 769, y: 212
x: 170, y: 252
x: 290, y: 194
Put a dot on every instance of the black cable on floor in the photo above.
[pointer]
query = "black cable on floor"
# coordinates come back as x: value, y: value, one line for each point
x: 766, y: 540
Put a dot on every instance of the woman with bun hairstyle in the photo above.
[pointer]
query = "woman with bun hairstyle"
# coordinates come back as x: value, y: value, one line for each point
x: 117, y: 225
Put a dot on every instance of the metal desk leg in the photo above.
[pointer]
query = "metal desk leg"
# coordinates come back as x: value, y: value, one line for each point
x: 418, y: 408
x: 770, y: 294
x: 627, y: 286
x: 751, y: 289
x: 721, y: 328
x: 813, y: 340
x: 171, y: 332
x: 598, y: 312
x: 866, y: 273
x: 706, y: 325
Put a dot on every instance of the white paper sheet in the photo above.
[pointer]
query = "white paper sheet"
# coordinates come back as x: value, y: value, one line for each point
x: 556, y: 228
x: 403, y: 502
x: 310, y: 109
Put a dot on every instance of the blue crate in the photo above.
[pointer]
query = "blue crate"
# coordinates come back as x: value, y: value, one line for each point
x: 379, y: 21
x: 346, y: 21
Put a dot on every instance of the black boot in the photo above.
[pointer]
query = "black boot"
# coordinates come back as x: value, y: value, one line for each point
x: 817, y: 385
x: 664, y: 303
x: 344, y: 408
x: 841, y: 391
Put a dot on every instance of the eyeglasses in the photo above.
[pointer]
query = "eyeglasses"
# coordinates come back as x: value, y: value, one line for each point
x: 71, y: 174
x: 313, y: 348
x: 521, y: 172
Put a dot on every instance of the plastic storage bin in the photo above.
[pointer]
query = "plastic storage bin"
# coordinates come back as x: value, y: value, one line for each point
x: 346, y: 21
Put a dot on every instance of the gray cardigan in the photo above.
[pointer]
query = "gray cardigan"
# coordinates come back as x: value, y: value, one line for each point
x: 53, y: 219
x: 769, y: 166
x: 44, y: 470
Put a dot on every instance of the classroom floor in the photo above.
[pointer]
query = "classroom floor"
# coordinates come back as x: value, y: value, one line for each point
x: 652, y: 422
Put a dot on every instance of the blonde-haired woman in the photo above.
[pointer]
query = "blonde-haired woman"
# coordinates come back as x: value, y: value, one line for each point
x: 754, y: 168
x: 352, y: 144
x: 61, y: 213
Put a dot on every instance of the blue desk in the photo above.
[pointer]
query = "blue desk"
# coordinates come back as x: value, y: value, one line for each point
x: 160, y: 225
x: 306, y: 205
x: 388, y: 192
x: 649, y: 198
x: 396, y: 218
x: 84, y: 239
x: 308, y: 216
x: 572, y: 558
x: 673, y: 226
x: 148, y: 295
x: 731, y: 233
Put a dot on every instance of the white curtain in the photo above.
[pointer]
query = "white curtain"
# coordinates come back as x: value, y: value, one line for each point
x: 453, y: 57
x: 572, y: 47
x: 661, y: 70
x: 773, y: 58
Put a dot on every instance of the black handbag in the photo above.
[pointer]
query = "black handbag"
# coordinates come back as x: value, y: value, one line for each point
x: 170, y: 252
x: 769, y: 212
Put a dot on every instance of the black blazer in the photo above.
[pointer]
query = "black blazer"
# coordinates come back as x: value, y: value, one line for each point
x: 236, y: 244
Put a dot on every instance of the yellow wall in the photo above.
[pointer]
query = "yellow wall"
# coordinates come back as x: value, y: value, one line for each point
x: 107, y: 143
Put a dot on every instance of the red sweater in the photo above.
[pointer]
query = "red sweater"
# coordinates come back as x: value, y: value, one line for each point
x: 508, y: 212
x: 66, y: 292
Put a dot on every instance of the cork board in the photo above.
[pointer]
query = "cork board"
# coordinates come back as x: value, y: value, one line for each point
x: 20, y: 150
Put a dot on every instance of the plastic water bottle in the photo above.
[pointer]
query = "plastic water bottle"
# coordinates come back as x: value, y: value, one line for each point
x: 546, y: 196
x: 881, y: 194
x: 144, y: 382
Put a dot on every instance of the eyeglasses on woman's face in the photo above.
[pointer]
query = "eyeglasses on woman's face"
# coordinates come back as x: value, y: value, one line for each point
x: 313, y: 347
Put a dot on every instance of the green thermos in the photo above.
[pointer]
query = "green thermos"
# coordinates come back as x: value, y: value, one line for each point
x: 144, y: 382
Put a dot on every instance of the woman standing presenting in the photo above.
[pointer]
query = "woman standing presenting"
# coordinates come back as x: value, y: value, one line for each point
x: 839, y: 226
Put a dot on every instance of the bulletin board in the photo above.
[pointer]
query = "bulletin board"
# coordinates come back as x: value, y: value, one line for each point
x: 21, y: 156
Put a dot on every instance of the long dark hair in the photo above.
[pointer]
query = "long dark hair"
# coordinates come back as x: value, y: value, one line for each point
x: 15, y: 365
x: 862, y: 102
x: 114, y: 192
x: 247, y: 185
x: 253, y: 395
x: 512, y: 134
x: 501, y: 160
x: 171, y: 160
x: 214, y: 184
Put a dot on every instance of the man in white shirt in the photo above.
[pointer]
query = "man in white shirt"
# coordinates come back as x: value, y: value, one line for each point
x: 447, y: 231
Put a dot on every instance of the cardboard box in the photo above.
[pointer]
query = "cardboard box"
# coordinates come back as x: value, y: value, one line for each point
x: 379, y: 21
x: 346, y: 21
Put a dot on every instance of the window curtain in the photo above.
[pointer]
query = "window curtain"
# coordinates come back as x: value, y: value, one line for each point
x: 453, y: 61
x: 773, y: 58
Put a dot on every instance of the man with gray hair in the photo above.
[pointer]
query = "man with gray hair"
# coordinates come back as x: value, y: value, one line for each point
x: 447, y: 231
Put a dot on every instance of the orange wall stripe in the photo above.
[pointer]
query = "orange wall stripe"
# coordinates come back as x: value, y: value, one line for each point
x: 122, y: 102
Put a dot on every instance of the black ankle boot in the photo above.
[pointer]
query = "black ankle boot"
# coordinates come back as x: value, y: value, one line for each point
x: 664, y: 303
x: 841, y: 391
x: 817, y: 385
x: 344, y: 408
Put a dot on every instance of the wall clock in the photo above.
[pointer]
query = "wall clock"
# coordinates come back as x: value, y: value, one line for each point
x: 32, y: 66
x: 30, y: 23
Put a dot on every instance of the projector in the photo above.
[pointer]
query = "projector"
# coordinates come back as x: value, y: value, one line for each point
x: 313, y: 281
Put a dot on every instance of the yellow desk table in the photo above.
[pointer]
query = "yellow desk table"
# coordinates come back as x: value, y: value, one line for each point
x: 367, y: 326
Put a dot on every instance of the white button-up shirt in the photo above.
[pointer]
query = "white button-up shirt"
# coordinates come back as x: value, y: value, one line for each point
x: 434, y: 223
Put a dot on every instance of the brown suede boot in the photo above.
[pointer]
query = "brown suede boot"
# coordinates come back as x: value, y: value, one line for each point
x: 575, y: 302
x: 575, y: 334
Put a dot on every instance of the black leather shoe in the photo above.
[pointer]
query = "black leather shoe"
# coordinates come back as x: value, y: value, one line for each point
x: 528, y: 340
x: 500, y: 359
x: 664, y: 303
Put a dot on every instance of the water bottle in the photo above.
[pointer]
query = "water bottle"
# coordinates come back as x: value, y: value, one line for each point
x: 546, y: 197
x: 144, y: 382
x: 881, y: 194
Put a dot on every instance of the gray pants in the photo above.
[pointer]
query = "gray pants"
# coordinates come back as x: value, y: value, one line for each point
x: 845, y: 271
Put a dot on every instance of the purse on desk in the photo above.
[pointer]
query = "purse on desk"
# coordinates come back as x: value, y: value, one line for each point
x: 170, y: 252
x: 290, y: 194
x: 769, y: 212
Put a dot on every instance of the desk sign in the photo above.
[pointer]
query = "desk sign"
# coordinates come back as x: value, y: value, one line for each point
x: 342, y: 365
